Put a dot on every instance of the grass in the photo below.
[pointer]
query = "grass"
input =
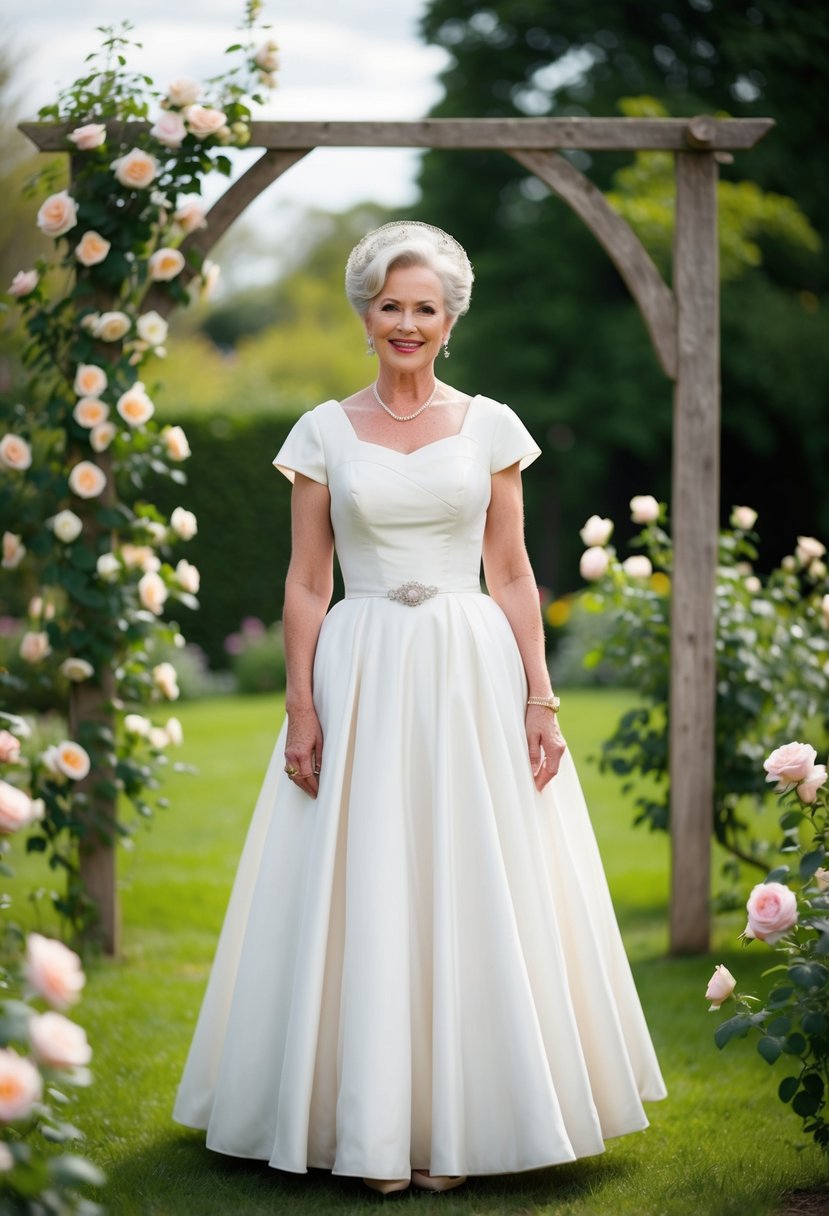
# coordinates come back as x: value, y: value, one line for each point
x: 721, y: 1145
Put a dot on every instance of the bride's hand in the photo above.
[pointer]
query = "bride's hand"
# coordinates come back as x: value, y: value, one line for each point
x: 303, y: 749
x: 546, y: 744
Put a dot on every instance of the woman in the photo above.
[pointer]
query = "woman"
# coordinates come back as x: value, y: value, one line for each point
x: 420, y: 975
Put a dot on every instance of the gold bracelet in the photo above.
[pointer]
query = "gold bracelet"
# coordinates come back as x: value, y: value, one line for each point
x: 553, y: 702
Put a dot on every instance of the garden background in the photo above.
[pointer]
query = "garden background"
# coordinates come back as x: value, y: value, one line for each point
x: 242, y: 366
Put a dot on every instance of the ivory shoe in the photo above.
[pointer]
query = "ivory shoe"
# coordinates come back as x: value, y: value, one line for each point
x: 437, y: 1182
x: 387, y: 1186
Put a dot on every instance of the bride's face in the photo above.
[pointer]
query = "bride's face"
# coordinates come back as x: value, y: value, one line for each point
x: 407, y: 320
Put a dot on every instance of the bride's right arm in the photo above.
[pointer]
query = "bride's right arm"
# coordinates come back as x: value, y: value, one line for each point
x: 308, y: 588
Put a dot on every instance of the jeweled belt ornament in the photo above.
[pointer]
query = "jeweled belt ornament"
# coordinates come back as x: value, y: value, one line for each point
x: 412, y: 593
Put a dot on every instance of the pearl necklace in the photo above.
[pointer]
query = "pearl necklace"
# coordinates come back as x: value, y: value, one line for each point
x: 404, y: 417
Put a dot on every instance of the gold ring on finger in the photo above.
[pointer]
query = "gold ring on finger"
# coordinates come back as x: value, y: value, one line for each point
x: 290, y: 770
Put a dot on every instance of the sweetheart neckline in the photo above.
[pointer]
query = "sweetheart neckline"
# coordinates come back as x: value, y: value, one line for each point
x: 396, y: 451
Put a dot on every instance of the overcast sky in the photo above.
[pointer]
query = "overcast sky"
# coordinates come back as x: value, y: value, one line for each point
x: 341, y: 59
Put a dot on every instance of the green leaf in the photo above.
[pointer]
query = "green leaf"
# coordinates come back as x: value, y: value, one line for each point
x: 811, y: 862
x: 738, y: 1025
x: 812, y: 1082
x: 769, y: 1049
x: 779, y: 1026
x: 795, y: 1045
x: 72, y: 1170
x: 809, y: 975
x: 780, y: 874
x: 814, y: 1023
x: 805, y: 1104
x: 787, y: 1089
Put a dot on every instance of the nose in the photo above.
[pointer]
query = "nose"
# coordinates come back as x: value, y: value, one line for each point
x: 406, y: 321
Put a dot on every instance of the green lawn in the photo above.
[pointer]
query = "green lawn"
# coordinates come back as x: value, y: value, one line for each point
x: 721, y: 1144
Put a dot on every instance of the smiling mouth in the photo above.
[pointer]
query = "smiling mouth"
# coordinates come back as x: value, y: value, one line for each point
x: 405, y: 347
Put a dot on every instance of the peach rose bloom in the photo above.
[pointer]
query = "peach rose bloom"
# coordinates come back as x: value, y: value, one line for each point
x: 24, y: 283
x: 77, y: 669
x: 21, y: 1086
x: 89, y: 411
x: 91, y: 135
x: 637, y: 566
x: 743, y: 518
x: 35, y: 645
x: 166, y: 680
x: 596, y: 531
x: 169, y: 129
x: 266, y: 57
x: 183, y: 91
x: 101, y: 436
x: 53, y: 970
x: 720, y: 987
x: 177, y: 446
x: 190, y: 215
x: 165, y: 264
x: 772, y: 911
x: 57, y: 1042
x: 789, y: 765
x: 158, y: 737
x: 808, y: 548
x: 152, y: 591
x: 111, y: 326
x: 57, y: 214
x: 188, y: 576
x: 90, y: 380
x: 72, y: 760
x: 17, y: 810
x: 9, y: 747
x: 15, y: 452
x: 204, y: 120
x: 807, y: 789
x: 66, y: 526
x: 92, y: 248
x: 136, y: 169
x: 87, y: 480
x: 13, y: 550
x: 134, y: 406
x: 183, y: 523
x: 594, y: 563
x: 644, y: 509
x: 139, y: 557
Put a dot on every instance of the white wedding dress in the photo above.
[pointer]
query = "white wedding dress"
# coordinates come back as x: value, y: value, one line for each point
x: 421, y: 968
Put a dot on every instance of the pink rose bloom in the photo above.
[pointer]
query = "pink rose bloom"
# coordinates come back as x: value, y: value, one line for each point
x: 183, y: 91
x: 807, y: 789
x: 169, y: 129
x: 17, y: 810
x: 13, y: 550
x: 9, y: 747
x: 743, y: 518
x: 57, y: 1042
x: 92, y: 248
x: 637, y: 566
x: 594, y: 563
x: 24, y: 283
x: 808, y: 548
x: 53, y: 970
x: 772, y: 911
x: 35, y: 645
x: 92, y: 135
x: 204, y: 121
x: 644, y: 509
x: 21, y: 1086
x: 57, y: 214
x: 789, y: 765
x: 720, y: 987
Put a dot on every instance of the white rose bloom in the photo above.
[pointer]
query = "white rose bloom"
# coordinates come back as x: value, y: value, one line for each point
x: 183, y: 523
x: 111, y: 326
x: 177, y: 446
x: 77, y: 669
x: 134, y: 406
x: 169, y: 129
x: 152, y: 591
x: 72, y: 760
x: 137, y: 724
x: 166, y: 679
x: 174, y: 731
x: 156, y: 529
x: 87, y: 480
x: 35, y: 645
x: 188, y: 576
x: 158, y: 737
x: 108, y: 567
x: 596, y: 531
x: 637, y: 566
x: 152, y: 328
x: 102, y: 435
x: 66, y: 526
x: 183, y: 91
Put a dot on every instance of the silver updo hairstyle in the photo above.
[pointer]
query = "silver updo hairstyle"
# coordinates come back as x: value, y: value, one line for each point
x: 408, y: 243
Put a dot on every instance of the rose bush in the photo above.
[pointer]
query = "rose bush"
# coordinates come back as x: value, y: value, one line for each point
x: 790, y: 912
x: 77, y: 452
x: 772, y: 668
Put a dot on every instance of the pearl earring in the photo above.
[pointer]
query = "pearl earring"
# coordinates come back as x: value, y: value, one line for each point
x: 370, y: 346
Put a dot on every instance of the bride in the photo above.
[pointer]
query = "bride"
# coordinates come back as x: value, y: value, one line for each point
x: 420, y: 975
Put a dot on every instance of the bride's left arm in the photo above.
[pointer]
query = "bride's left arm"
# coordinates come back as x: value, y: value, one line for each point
x: 511, y: 583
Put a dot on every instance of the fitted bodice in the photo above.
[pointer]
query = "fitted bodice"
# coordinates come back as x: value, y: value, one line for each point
x: 416, y: 516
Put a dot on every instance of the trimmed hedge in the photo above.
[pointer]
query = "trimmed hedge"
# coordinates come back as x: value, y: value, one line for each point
x: 243, y: 507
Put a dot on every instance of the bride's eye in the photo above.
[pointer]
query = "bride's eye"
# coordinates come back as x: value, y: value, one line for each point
x: 388, y: 308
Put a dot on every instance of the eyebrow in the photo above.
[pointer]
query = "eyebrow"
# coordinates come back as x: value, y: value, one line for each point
x: 394, y: 300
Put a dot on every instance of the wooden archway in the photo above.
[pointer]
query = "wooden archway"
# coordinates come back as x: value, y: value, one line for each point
x: 683, y: 323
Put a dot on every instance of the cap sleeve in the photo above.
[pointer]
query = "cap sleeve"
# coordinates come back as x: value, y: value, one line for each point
x: 511, y: 442
x: 302, y: 451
